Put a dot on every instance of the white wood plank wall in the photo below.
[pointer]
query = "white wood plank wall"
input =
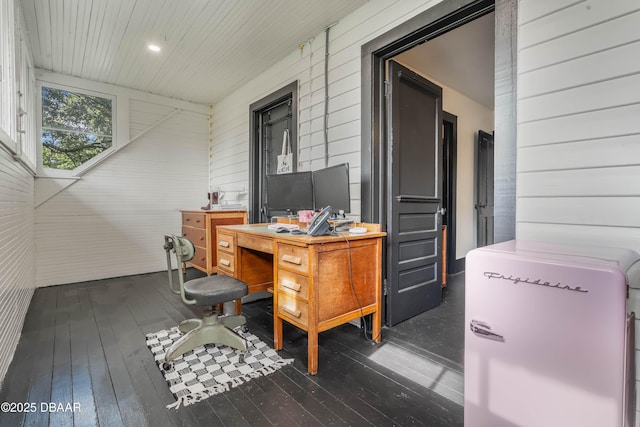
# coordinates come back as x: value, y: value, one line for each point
x: 17, y: 263
x: 112, y: 221
x: 229, y: 163
x: 578, y: 127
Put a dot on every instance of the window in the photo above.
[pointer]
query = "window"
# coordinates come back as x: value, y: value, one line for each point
x: 7, y: 76
x: 26, y: 106
x: 76, y: 126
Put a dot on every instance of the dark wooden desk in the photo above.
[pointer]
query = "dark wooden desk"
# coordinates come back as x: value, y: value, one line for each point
x: 315, y: 280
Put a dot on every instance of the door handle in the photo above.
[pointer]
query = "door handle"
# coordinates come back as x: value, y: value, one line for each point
x: 442, y: 211
x: 483, y: 330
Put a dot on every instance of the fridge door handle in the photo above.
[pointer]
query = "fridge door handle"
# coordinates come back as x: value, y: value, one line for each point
x: 483, y: 330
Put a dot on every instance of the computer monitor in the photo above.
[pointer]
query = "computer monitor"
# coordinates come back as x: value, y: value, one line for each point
x: 289, y: 192
x: 331, y: 188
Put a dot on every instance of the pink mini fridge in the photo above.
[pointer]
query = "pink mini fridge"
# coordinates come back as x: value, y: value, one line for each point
x: 549, y: 340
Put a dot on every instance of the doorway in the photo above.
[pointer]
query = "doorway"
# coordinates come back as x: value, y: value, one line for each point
x: 376, y: 177
x: 449, y: 173
x: 270, y: 118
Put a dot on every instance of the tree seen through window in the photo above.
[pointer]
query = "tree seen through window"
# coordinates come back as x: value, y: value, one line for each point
x: 75, y: 127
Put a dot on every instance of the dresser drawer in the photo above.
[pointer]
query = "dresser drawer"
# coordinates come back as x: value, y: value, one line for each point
x: 292, y: 309
x: 193, y: 219
x: 200, y: 257
x: 293, y: 258
x: 226, y: 242
x: 198, y: 236
x: 226, y: 262
x: 293, y: 284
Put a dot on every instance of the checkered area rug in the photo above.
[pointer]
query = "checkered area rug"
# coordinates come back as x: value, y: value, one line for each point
x: 210, y: 370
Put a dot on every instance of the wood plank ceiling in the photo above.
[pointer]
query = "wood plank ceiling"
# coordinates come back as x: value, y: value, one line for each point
x: 209, y: 47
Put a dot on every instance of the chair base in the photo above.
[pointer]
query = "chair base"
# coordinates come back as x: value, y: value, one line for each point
x: 211, y: 329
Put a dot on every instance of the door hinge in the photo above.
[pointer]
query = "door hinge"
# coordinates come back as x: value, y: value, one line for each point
x: 387, y: 88
x: 384, y: 287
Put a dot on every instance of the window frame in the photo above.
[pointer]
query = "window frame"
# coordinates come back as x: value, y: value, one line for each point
x: 52, y: 172
x: 26, y: 138
x: 8, y: 82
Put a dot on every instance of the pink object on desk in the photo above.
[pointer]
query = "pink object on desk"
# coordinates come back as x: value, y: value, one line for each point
x: 305, y: 216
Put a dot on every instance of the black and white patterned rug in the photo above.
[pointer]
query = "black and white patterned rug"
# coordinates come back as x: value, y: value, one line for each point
x: 210, y: 370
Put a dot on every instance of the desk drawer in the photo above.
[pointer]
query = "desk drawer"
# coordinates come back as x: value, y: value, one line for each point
x: 193, y: 219
x: 226, y: 262
x: 293, y: 284
x: 293, y: 258
x: 292, y: 309
x: 200, y: 257
x: 257, y: 243
x: 198, y: 236
x: 226, y: 242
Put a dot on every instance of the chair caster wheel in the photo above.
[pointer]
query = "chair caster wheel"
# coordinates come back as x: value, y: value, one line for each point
x: 166, y: 366
x: 245, y: 329
x: 241, y: 358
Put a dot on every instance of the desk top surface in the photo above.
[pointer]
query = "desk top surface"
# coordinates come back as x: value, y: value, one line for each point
x: 263, y: 231
x: 213, y: 210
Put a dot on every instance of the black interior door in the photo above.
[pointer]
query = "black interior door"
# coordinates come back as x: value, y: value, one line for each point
x: 485, y: 204
x: 414, y: 192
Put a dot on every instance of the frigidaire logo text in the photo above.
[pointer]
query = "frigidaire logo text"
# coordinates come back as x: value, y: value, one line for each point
x: 537, y: 282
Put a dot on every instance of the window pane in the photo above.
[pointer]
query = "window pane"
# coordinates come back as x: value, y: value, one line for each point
x: 75, y: 127
x: 65, y: 150
x: 78, y: 112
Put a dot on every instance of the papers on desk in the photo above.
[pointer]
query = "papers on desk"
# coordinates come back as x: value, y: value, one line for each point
x: 276, y: 225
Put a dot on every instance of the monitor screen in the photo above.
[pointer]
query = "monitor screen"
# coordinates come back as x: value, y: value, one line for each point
x: 331, y: 188
x: 289, y: 192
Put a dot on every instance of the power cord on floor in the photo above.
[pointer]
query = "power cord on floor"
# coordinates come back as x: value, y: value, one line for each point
x: 353, y: 288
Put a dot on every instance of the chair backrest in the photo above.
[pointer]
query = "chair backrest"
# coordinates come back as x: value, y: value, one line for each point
x: 184, y: 250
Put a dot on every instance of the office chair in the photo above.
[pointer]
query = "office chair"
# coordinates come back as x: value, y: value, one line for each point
x: 205, y: 291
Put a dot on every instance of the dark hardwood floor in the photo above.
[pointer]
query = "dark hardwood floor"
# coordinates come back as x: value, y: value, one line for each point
x: 84, y: 344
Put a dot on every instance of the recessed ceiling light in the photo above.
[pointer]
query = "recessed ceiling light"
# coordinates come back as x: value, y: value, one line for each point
x: 154, y: 48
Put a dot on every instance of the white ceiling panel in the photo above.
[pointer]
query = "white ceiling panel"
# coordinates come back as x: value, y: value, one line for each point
x: 209, y: 47
x: 462, y: 59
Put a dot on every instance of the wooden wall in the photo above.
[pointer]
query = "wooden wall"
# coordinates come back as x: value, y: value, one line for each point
x: 578, y: 133
x: 112, y: 221
x: 578, y: 128
x: 17, y: 263
x: 229, y: 164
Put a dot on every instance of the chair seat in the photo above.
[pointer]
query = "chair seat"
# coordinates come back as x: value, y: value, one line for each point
x: 213, y: 290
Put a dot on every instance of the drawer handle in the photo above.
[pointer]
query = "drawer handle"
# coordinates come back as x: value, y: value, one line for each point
x: 294, y: 313
x: 225, y: 262
x: 291, y: 285
x: 292, y: 259
x: 223, y: 244
x: 187, y: 219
